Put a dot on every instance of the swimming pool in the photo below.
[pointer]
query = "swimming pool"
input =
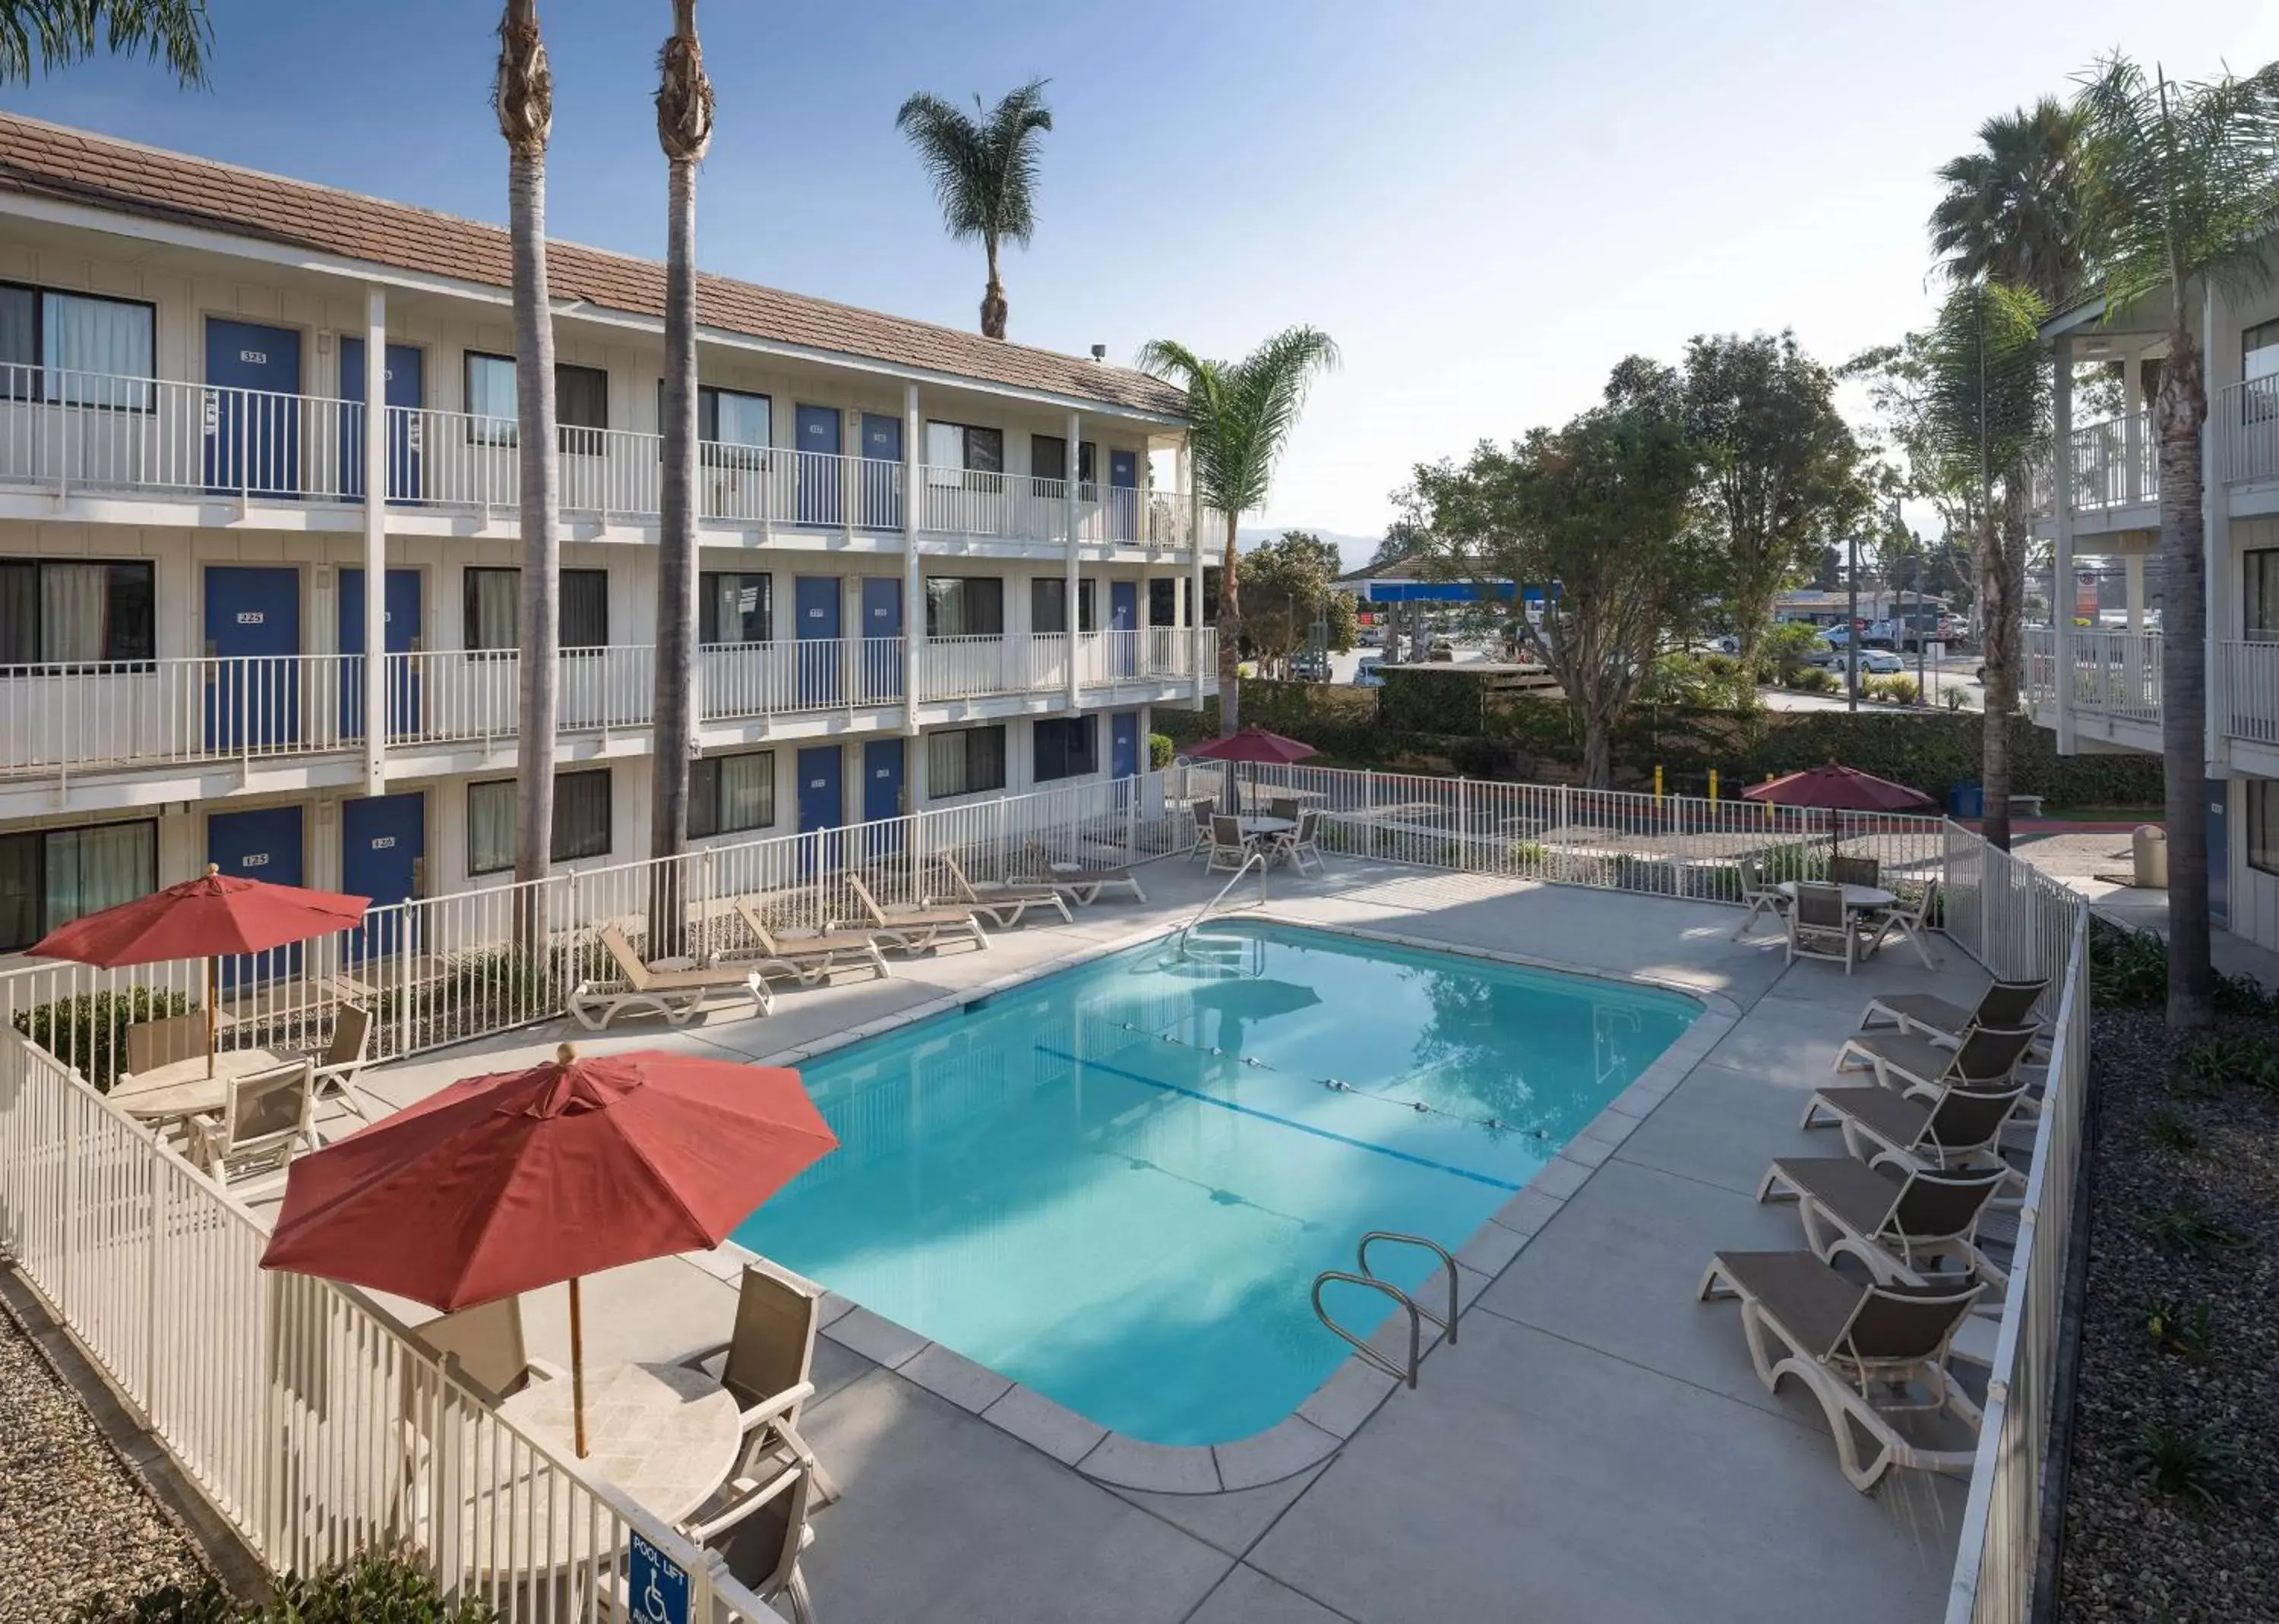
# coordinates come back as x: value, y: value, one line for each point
x: 1116, y: 1184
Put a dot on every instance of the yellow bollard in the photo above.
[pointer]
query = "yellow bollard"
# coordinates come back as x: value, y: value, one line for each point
x: 1657, y: 780
x: 1713, y: 784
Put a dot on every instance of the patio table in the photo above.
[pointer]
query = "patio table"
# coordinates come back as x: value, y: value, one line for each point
x: 1857, y: 899
x: 664, y: 1434
x: 181, y: 1089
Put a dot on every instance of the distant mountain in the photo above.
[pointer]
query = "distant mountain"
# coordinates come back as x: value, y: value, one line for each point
x: 1353, y: 551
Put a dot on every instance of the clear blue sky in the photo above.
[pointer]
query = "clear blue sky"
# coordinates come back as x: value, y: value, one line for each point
x: 1486, y: 204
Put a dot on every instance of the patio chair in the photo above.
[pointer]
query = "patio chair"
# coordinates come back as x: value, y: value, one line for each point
x: 335, y: 1070
x: 1282, y: 806
x: 1760, y: 896
x: 483, y: 1346
x: 807, y: 959
x: 1911, y: 923
x: 1854, y: 871
x: 1229, y: 851
x: 1894, y: 1222
x: 911, y: 929
x: 1201, y: 811
x: 754, y: 1530
x: 767, y: 1364
x: 265, y: 1114
x: 1295, y: 846
x: 676, y: 994
x: 1005, y: 903
x: 153, y: 1044
x: 1820, y: 926
x: 1860, y: 1350
x: 2008, y: 1005
x: 1962, y: 1128
x: 1987, y: 1058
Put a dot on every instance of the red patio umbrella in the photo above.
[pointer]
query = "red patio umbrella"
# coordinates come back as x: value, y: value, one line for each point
x: 212, y: 917
x: 1254, y: 744
x: 1839, y: 789
x: 506, y: 1183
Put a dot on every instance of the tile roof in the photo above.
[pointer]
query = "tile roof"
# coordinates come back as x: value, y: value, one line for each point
x: 49, y: 161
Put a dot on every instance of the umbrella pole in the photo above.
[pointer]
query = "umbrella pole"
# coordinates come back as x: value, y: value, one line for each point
x: 577, y: 1370
x: 212, y: 1020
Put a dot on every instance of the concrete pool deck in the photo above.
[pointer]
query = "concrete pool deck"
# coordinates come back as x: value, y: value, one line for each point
x: 1595, y: 1446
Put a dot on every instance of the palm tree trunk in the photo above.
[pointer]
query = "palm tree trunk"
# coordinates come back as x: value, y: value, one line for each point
x: 1229, y: 640
x: 993, y: 310
x: 675, y: 726
x: 2179, y: 410
x: 525, y: 105
x: 2002, y: 584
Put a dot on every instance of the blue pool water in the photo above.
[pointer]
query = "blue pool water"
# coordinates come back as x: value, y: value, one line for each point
x: 1117, y: 1184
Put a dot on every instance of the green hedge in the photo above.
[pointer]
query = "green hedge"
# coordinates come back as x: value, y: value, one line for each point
x: 86, y: 1032
x: 379, y: 1588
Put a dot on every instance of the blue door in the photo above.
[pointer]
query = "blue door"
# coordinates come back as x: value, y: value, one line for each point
x: 816, y: 431
x: 882, y: 621
x: 822, y: 804
x: 814, y: 607
x: 1124, y: 744
x: 404, y: 369
x: 402, y: 632
x: 383, y: 849
x: 2219, y: 853
x: 261, y: 844
x: 882, y: 793
x: 253, y: 629
x: 1123, y: 494
x: 253, y: 423
x: 1124, y: 616
x: 882, y: 471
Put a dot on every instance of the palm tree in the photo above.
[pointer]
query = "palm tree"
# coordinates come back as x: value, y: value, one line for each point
x: 2011, y: 212
x: 1239, y: 415
x: 2181, y: 182
x: 984, y: 171
x: 56, y: 34
x: 1986, y: 391
x: 524, y: 99
x: 684, y: 127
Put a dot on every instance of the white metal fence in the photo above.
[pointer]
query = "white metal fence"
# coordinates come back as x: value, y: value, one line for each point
x: 2245, y: 423
x: 2114, y: 673
x: 80, y: 1186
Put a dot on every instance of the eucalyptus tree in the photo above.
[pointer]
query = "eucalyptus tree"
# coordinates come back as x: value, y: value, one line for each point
x: 2011, y: 209
x: 43, y: 35
x: 524, y: 100
x: 684, y: 128
x: 1986, y: 397
x: 983, y: 170
x: 1239, y: 418
x: 2180, y: 195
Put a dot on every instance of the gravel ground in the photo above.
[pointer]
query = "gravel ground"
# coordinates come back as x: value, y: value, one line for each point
x: 73, y: 1519
x: 2133, y: 1552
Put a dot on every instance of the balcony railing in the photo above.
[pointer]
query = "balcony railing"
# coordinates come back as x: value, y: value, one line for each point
x: 55, y: 720
x: 2246, y: 427
x: 2246, y: 699
x: 2115, y: 674
x: 2115, y: 464
x: 70, y: 432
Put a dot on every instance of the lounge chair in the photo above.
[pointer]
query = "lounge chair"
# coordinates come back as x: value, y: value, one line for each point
x: 807, y: 959
x: 767, y: 1363
x: 2007, y: 1005
x: 1893, y: 1221
x: 483, y: 1346
x: 911, y: 929
x: 1005, y: 903
x: 1820, y: 926
x: 1295, y: 845
x: 676, y: 995
x: 1080, y: 883
x: 1910, y: 921
x: 1229, y: 851
x: 1845, y: 1342
x: 1985, y: 1058
x: 264, y: 1115
x: 1855, y: 871
x: 754, y: 1530
x: 335, y: 1069
x: 1962, y: 1129
x: 1761, y: 897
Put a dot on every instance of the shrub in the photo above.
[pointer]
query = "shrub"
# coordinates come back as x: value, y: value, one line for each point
x: 2226, y: 1058
x: 88, y: 1032
x: 2199, y: 1462
x: 1159, y: 751
x: 2178, y: 1328
x: 1955, y: 699
x: 2171, y: 1131
x: 1899, y: 690
x: 2184, y: 1225
x: 386, y: 1587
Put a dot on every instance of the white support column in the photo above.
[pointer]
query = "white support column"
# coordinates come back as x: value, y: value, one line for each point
x: 1194, y: 567
x: 2061, y: 574
x: 375, y: 540
x: 2133, y: 655
x: 850, y: 466
x: 2133, y: 429
x: 1070, y: 510
x: 913, y: 574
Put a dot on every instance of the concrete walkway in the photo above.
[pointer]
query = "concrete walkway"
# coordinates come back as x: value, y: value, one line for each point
x: 1596, y: 1448
x: 2077, y: 857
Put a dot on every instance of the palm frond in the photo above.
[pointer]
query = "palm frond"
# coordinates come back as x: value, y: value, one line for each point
x: 2010, y: 209
x: 48, y: 35
x: 983, y: 165
x: 1240, y: 413
x: 1987, y: 386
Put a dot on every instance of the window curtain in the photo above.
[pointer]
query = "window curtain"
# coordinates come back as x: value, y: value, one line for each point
x: 20, y: 342
x: 75, y: 601
x: 490, y: 398
x: 733, y: 608
x: 19, y: 613
x: 747, y: 790
x: 585, y: 608
x: 90, y: 870
x: 2261, y: 570
x: 107, y: 337
x: 20, y: 901
x: 961, y: 606
x: 490, y: 827
x: 494, y: 609
x: 1048, y: 606
x: 740, y: 420
x: 581, y: 816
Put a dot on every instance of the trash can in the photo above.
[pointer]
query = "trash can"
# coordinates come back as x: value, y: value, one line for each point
x: 1967, y: 801
x: 2148, y: 846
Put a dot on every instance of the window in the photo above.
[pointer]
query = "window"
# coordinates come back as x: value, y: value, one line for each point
x: 2258, y: 351
x: 581, y: 820
x: 1163, y: 601
x: 966, y: 606
x: 2258, y: 597
x: 57, y: 611
x: 78, y: 349
x: 582, y: 404
x: 494, y: 609
x: 731, y: 425
x: 51, y: 877
x: 729, y: 794
x: 1048, y: 458
x: 953, y: 446
x: 2263, y: 825
x: 732, y: 607
x: 1049, y: 604
x: 1065, y: 747
x: 965, y: 761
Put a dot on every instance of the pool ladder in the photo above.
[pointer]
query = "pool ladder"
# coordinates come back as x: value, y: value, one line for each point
x: 1186, y: 931
x: 1368, y: 1277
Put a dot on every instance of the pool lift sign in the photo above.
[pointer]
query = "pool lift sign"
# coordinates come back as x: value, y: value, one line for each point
x: 658, y: 1584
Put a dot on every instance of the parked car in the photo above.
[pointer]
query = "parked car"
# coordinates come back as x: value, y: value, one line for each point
x: 1308, y: 668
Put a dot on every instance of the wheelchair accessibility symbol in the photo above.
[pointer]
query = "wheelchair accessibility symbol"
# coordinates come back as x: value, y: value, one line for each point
x: 658, y: 1585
